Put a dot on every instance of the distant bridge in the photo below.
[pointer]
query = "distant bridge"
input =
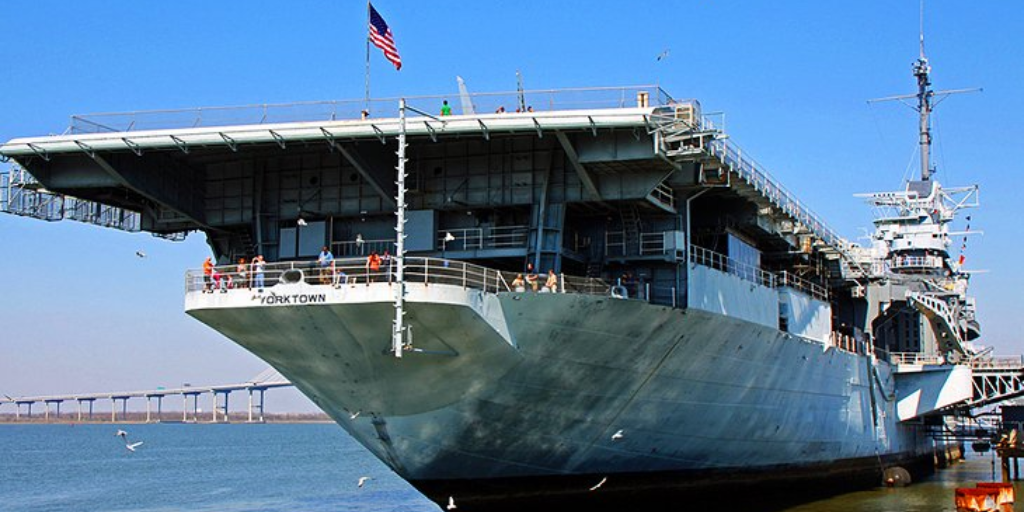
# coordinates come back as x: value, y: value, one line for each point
x: 219, y: 399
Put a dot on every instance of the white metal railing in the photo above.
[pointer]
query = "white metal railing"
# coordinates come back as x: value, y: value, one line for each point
x: 345, y: 271
x: 790, y: 280
x: 652, y: 243
x: 362, y: 247
x: 353, y: 271
x: 754, y: 274
x: 615, y: 243
x: 663, y: 194
x: 761, y: 180
x: 723, y: 263
x: 916, y: 358
x: 494, y: 237
x: 925, y: 262
x: 357, y: 272
x: 484, y: 103
x: 998, y: 363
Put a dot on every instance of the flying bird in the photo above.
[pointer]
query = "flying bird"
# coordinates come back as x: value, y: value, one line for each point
x: 302, y: 222
x: 354, y: 415
x: 122, y: 433
x: 140, y: 254
x: 599, y: 484
x: 663, y: 55
x: 618, y: 435
x: 363, y: 479
x: 131, y: 447
x: 451, y: 503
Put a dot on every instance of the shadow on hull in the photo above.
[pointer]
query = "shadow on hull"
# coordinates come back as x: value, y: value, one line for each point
x: 750, y: 491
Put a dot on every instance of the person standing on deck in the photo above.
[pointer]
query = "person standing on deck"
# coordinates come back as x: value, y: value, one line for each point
x: 385, y: 259
x: 446, y: 109
x: 551, y: 284
x: 241, y: 271
x: 258, y: 267
x: 325, y: 260
x: 531, y: 277
x: 208, y: 275
x: 372, y: 266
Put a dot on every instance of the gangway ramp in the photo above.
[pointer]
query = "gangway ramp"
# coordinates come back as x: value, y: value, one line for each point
x: 997, y: 379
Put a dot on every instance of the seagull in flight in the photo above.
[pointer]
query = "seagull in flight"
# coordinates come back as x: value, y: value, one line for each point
x: 122, y: 433
x: 618, y: 435
x: 132, y: 446
x: 302, y: 222
x: 363, y: 479
x: 599, y: 484
x: 354, y: 415
x: 140, y: 254
x: 451, y: 503
x: 663, y: 55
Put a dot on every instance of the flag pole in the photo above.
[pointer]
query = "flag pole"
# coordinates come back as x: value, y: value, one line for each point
x: 367, y: 58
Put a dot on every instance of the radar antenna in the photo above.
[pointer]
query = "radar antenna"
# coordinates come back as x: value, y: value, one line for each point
x: 927, y: 100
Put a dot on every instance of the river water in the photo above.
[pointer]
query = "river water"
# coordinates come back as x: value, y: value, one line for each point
x: 294, y: 468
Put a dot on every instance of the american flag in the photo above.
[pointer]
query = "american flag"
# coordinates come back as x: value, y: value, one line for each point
x: 381, y: 37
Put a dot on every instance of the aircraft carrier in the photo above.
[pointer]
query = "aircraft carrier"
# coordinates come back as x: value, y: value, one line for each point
x: 699, y: 326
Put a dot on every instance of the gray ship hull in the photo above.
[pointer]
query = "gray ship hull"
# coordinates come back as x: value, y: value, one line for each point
x: 531, y: 388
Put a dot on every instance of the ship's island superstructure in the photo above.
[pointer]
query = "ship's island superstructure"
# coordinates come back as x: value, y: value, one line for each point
x: 700, y: 325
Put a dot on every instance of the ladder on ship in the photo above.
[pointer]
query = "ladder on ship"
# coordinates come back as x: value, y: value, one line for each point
x: 631, y: 229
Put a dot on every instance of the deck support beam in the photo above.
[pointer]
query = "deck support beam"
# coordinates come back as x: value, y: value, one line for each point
x: 364, y: 171
x: 581, y: 171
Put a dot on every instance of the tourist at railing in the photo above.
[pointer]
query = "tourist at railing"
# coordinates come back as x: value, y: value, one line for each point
x: 372, y: 266
x: 551, y: 285
x: 518, y: 284
x: 208, y: 275
x: 219, y: 280
x: 326, y: 262
x: 240, y: 270
x: 531, y: 277
x: 386, y: 260
x: 259, y: 266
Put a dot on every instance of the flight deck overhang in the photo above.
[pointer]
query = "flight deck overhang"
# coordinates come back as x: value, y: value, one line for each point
x: 223, y: 169
x: 233, y: 137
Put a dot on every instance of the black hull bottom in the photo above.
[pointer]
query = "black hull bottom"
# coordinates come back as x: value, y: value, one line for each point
x: 763, y: 490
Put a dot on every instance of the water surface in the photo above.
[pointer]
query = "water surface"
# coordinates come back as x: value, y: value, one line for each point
x: 293, y: 468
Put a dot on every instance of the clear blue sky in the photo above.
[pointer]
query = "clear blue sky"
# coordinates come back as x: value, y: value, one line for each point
x: 80, y: 312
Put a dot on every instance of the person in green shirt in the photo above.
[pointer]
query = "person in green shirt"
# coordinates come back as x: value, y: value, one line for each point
x: 446, y: 109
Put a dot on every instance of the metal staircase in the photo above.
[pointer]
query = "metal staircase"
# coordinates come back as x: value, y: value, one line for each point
x: 663, y: 197
x: 943, y: 320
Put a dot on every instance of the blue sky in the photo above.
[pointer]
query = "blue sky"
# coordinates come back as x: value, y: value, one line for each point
x: 80, y: 312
